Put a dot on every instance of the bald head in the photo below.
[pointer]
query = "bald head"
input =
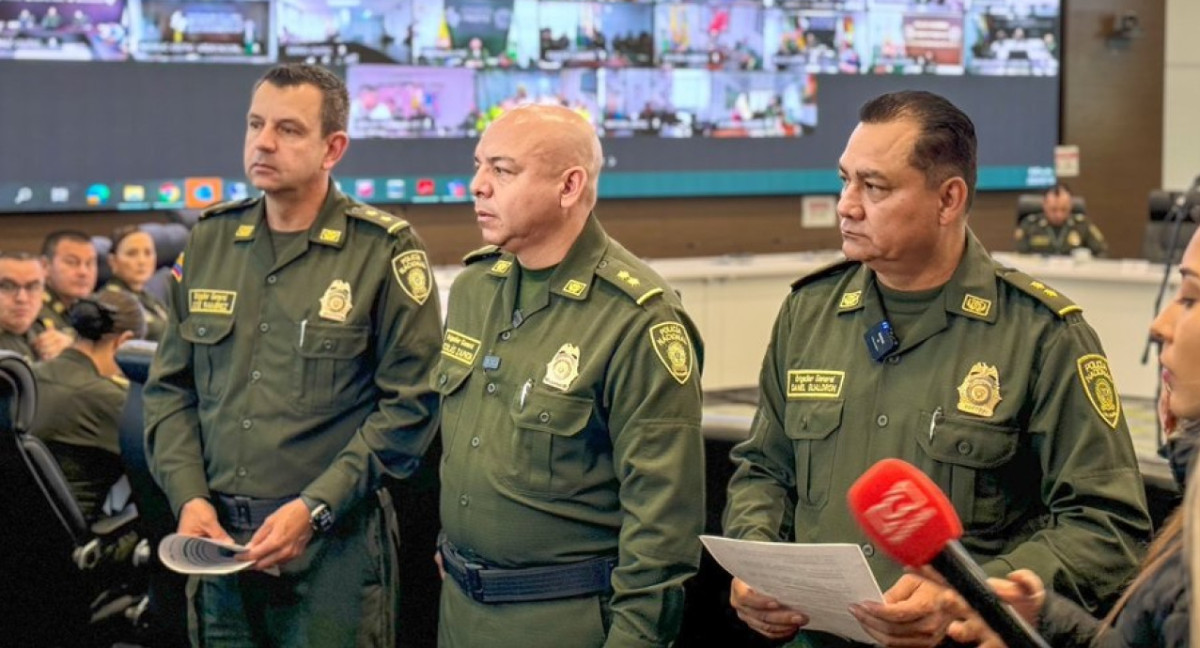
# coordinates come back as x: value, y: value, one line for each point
x: 560, y: 139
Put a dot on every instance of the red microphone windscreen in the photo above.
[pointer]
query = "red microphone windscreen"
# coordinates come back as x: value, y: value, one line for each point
x: 903, y: 512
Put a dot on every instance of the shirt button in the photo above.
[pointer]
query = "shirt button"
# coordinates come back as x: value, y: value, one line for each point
x: 964, y: 447
x: 328, y: 344
x: 271, y: 279
x: 255, y: 375
x: 442, y: 379
x: 881, y: 420
x: 544, y: 417
x: 505, y: 335
x: 201, y: 331
x: 604, y: 263
x: 241, y: 472
x: 475, y: 442
x: 868, y: 550
x: 264, y: 327
x: 491, y: 388
x: 895, y: 359
x: 247, y: 424
x: 463, y: 500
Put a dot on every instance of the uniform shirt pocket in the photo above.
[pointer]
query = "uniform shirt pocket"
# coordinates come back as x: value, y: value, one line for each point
x: 330, y: 373
x: 810, y: 426
x: 549, y: 453
x: 447, y: 380
x: 210, y: 358
x: 970, y: 462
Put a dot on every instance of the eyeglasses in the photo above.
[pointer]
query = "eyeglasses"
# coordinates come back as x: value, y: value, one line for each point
x: 10, y: 288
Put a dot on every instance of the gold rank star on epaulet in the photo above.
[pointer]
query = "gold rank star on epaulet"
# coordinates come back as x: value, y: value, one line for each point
x: 1048, y: 296
x: 620, y: 275
x: 120, y: 380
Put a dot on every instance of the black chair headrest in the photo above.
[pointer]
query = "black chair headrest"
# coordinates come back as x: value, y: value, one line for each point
x: 19, y: 391
x: 134, y: 358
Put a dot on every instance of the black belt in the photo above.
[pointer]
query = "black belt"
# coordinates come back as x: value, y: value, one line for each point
x: 241, y: 513
x: 490, y: 585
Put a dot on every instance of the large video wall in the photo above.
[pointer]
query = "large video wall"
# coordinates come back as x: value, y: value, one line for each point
x: 712, y: 97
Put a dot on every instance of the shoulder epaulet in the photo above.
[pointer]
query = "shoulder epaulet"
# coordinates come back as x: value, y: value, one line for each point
x: 389, y: 222
x: 639, y: 285
x: 227, y: 207
x: 111, y: 287
x: 823, y: 271
x: 121, y: 381
x: 1029, y: 219
x: 485, y: 252
x: 1048, y: 296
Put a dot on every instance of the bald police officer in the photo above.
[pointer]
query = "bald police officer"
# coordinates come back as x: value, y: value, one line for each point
x: 572, y: 482
x: 294, y: 373
x: 1058, y: 229
x: 920, y: 346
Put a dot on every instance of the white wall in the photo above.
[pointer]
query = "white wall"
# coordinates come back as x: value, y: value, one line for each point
x: 1181, y: 95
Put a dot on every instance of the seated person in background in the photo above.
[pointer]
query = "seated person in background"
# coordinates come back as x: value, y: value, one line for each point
x: 1056, y: 230
x: 133, y: 260
x: 1156, y: 608
x: 70, y: 262
x: 81, y: 394
x: 21, y: 284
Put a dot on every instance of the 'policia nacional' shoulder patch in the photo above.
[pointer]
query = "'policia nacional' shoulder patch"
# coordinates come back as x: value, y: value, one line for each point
x: 1101, y: 390
x: 674, y: 349
x: 412, y: 273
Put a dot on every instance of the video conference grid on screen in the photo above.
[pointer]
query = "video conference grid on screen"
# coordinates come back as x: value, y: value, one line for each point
x: 446, y: 68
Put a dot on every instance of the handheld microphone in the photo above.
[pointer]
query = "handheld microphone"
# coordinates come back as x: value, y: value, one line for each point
x: 907, y: 516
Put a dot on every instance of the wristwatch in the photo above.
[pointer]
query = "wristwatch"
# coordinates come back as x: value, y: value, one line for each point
x: 320, y: 516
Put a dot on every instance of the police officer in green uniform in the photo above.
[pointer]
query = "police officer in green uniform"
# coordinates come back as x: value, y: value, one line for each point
x: 572, y: 479
x: 293, y: 374
x: 21, y: 286
x: 133, y: 260
x: 70, y: 261
x: 919, y: 346
x: 81, y: 395
x: 1057, y: 229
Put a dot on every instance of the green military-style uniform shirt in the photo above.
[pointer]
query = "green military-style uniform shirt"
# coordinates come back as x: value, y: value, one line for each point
x: 571, y: 429
x: 303, y: 374
x: 1035, y: 235
x: 78, y: 416
x: 54, y: 312
x: 22, y: 344
x: 1000, y: 393
x: 155, y: 310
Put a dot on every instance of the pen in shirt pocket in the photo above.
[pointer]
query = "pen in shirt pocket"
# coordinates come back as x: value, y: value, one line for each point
x: 303, y: 325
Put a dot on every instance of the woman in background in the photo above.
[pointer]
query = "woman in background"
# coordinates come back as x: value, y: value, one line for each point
x: 133, y: 260
x: 81, y: 394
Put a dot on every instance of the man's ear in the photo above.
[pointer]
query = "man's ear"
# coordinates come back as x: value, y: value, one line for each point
x: 335, y: 147
x: 952, y: 200
x: 574, y: 180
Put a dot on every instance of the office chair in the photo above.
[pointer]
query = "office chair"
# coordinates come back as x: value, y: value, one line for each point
x: 1159, y: 227
x: 65, y: 583
x: 1029, y: 203
x: 164, y: 618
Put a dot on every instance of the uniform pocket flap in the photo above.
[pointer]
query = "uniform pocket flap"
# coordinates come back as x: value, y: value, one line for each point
x: 448, y: 377
x: 812, y: 419
x: 205, y: 330
x: 553, y: 413
x: 973, y: 444
x: 330, y: 341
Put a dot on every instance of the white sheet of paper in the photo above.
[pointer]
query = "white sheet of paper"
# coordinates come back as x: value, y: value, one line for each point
x: 190, y: 555
x: 821, y: 580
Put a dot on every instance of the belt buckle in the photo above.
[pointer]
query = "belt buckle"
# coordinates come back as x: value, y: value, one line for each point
x: 474, y: 582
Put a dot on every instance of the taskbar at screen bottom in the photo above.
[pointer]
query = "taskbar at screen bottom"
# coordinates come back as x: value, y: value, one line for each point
x: 202, y: 192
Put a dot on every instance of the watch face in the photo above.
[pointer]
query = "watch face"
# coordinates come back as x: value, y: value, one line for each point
x: 321, y: 518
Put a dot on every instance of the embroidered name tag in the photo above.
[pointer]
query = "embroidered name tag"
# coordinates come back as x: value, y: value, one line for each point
x: 814, y: 383
x: 214, y: 302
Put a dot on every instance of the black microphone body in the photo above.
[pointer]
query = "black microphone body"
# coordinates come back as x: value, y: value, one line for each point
x: 963, y: 574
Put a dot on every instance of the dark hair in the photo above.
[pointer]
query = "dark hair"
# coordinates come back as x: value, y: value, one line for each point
x: 946, y: 145
x: 50, y: 245
x: 121, y: 233
x: 335, y: 99
x: 108, y: 312
x: 1058, y: 188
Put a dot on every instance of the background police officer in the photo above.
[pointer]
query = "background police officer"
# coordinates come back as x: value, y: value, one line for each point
x: 572, y: 481
x: 292, y: 374
x: 920, y: 346
x: 1058, y: 229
